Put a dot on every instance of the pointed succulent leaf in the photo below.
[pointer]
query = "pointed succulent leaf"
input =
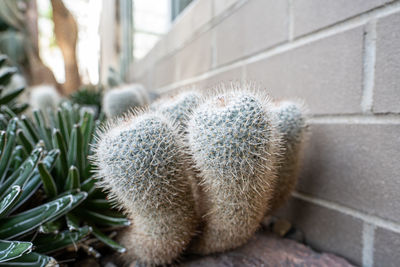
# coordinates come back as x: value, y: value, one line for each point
x: 23, y: 173
x: 107, y: 241
x: 31, y: 260
x: 9, y: 200
x: 24, y: 222
x: 110, y: 219
x: 24, y: 141
x: 11, y: 95
x: 73, y: 181
x: 10, y: 250
x: 9, y: 146
x: 53, y: 242
x: 6, y: 74
x: 49, y: 185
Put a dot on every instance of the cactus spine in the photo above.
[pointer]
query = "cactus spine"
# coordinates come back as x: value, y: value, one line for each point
x: 120, y: 100
x: 140, y: 161
x: 293, y: 129
x: 178, y: 107
x: 233, y: 139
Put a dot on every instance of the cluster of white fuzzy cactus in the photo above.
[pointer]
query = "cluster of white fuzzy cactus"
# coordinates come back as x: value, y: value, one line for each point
x: 198, y: 173
x: 124, y: 98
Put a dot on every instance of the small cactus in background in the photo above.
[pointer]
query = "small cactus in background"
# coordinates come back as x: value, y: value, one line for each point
x: 118, y: 101
x: 293, y: 129
x: 234, y: 143
x: 140, y: 159
x: 44, y: 97
x: 178, y: 107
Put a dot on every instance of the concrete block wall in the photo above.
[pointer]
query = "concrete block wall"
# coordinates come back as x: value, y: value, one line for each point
x: 343, y: 58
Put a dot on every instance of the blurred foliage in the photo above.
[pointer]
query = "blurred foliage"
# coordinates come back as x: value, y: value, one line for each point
x: 88, y: 95
x: 48, y: 197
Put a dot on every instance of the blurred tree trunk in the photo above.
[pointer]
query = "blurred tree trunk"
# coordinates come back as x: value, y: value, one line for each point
x: 66, y: 32
x: 38, y: 72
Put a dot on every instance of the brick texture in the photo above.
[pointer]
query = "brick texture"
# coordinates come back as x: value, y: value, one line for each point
x: 256, y: 30
x: 327, y: 73
x: 387, y: 77
x: 195, y: 58
x: 387, y: 248
x: 355, y: 165
x: 325, y: 230
x: 311, y: 15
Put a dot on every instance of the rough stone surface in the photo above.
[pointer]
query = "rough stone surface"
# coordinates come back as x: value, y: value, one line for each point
x: 326, y: 73
x: 387, y: 77
x: 311, y: 15
x: 356, y: 165
x: 325, y: 229
x: 257, y: 30
x: 267, y: 250
x: 386, y: 248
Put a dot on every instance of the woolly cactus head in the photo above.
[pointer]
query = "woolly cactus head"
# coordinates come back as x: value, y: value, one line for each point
x: 139, y: 159
x: 178, y: 107
x: 44, y: 97
x: 232, y: 133
x: 291, y: 121
x: 118, y: 101
x: 293, y: 128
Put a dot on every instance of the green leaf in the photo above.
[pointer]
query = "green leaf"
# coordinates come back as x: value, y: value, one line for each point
x: 51, y: 243
x: 100, y: 218
x: 13, y: 249
x: 42, y: 128
x: 80, y: 156
x: 51, y: 227
x: 73, y: 181
x: 31, y: 260
x: 49, y: 186
x: 2, y: 142
x: 23, y: 173
x: 87, y: 129
x: 58, y: 142
x: 72, y: 222
x: 24, y: 141
x: 106, y: 240
x: 89, y: 185
x: 10, y: 96
x: 26, y: 221
x: 6, y: 74
x: 72, y: 147
x: 34, y: 182
x: 61, y: 124
x: 3, y: 59
x: 10, y: 200
x: 10, y: 143
x: 29, y: 129
x: 98, y: 204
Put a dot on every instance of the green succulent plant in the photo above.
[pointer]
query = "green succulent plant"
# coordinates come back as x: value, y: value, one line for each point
x: 88, y: 95
x: 8, y: 105
x: 48, y: 197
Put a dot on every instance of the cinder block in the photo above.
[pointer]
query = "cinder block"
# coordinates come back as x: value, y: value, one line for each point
x: 324, y: 229
x: 255, y: 26
x: 164, y: 72
x: 326, y: 73
x: 226, y: 77
x: 387, y: 69
x: 311, y: 15
x: 386, y: 248
x: 222, y: 5
x: 188, y: 23
x: 195, y: 58
x: 356, y: 165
